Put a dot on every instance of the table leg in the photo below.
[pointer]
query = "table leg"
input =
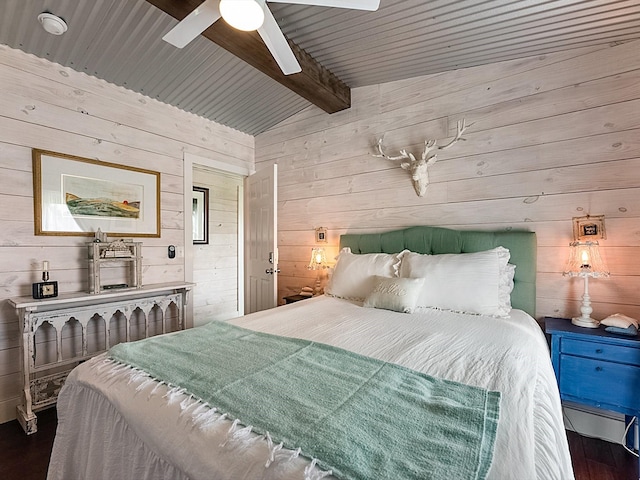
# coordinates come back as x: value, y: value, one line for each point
x: 631, y: 433
x: 630, y: 439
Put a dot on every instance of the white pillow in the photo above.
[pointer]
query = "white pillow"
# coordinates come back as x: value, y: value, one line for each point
x: 465, y: 282
x: 397, y: 294
x: 506, y: 286
x: 354, y: 275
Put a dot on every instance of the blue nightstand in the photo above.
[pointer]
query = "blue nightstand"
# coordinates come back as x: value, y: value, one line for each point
x: 596, y: 368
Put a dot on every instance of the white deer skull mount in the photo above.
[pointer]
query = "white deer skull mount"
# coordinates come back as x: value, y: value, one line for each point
x: 419, y: 169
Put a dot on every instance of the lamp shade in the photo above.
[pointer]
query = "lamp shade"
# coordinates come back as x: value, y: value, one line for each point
x: 318, y: 259
x: 585, y: 260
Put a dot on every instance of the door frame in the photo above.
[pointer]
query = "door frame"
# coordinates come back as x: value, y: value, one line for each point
x: 189, y: 161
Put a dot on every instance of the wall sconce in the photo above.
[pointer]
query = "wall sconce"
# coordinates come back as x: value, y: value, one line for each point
x: 317, y: 262
x: 585, y: 261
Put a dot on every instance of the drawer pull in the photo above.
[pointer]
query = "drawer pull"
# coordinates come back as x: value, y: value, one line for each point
x: 598, y: 369
x: 598, y: 350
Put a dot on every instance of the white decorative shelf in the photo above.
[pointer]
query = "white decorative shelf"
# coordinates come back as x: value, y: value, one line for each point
x: 122, y: 253
x: 42, y: 381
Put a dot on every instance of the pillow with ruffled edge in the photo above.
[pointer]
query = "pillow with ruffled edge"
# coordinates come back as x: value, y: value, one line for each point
x: 466, y: 282
x: 396, y: 294
x: 353, y: 277
x: 505, y: 286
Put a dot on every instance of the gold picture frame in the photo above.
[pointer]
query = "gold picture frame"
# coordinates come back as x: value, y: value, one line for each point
x: 321, y: 235
x: 77, y: 196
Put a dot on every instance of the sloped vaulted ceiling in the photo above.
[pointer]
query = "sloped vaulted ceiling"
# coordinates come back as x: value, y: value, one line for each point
x: 121, y: 42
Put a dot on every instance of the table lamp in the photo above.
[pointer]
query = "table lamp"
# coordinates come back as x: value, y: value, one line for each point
x: 585, y: 261
x: 318, y: 262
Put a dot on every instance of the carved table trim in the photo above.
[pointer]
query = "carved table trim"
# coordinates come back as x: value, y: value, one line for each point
x: 43, y: 382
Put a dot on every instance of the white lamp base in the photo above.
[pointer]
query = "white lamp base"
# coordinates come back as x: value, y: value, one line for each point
x: 586, y: 322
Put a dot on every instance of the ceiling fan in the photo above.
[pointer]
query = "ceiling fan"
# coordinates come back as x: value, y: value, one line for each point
x: 252, y: 15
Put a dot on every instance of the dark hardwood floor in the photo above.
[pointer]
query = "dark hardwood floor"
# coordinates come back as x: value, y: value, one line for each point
x: 595, y: 459
x: 25, y: 457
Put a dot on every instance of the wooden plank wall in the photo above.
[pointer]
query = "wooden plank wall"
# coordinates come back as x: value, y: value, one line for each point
x: 46, y: 106
x: 553, y: 137
x: 215, y: 266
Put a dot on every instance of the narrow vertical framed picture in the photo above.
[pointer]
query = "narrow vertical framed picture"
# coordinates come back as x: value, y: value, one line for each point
x: 200, y: 214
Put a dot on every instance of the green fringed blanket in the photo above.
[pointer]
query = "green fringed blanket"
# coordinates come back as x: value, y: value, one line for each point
x: 360, y: 417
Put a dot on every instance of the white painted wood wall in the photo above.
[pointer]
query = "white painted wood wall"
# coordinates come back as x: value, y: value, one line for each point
x: 554, y: 137
x: 46, y: 106
x: 215, y: 265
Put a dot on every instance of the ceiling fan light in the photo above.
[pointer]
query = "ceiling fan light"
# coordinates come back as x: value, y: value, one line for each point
x: 244, y: 15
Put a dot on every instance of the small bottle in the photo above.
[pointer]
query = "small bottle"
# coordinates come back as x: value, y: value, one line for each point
x: 45, y: 271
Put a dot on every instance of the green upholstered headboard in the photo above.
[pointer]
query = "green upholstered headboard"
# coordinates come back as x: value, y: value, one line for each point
x: 435, y: 240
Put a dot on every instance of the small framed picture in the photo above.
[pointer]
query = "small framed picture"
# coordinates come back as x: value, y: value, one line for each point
x: 200, y: 215
x: 321, y: 235
x: 589, y: 228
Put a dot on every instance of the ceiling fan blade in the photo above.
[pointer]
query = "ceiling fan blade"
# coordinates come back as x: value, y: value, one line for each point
x: 193, y: 24
x: 277, y: 44
x: 353, y: 4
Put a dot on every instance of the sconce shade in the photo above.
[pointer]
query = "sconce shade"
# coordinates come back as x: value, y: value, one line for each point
x: 585, y: 260
x: 318, y: 259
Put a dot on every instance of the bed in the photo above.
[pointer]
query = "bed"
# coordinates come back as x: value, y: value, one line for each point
x: 121, y: 422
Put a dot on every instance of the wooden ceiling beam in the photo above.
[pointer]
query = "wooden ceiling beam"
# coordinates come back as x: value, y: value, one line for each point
x: 315, y: 83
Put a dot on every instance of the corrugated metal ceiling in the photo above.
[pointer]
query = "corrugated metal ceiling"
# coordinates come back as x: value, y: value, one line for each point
x: 120, y: 41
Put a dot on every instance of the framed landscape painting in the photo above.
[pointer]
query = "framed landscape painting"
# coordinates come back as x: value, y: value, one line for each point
x: 78, y: 196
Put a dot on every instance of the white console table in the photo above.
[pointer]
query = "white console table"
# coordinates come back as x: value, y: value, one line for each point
x: 42, y: 382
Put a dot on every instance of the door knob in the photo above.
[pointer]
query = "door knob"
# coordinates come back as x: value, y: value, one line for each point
x: 271, y: 271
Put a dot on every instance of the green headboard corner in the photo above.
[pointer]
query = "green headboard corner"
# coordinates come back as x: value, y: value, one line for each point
x: 436, y: 240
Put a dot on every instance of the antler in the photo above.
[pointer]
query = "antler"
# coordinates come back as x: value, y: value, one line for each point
x: 403, y: 152
x: 461, y: 128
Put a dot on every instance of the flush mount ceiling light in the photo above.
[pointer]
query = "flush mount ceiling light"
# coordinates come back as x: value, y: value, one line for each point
x: 52, y: 24
x: 247, y: 15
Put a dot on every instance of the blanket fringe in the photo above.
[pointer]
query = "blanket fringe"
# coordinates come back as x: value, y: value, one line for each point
x: 273, y: 449
x: 214, y: 420
x: 237, y: 435
x: 155, y: 389
x: 204, y: 415
x: 145, y: 384
x: 313, y: 473
x: 173, y: 394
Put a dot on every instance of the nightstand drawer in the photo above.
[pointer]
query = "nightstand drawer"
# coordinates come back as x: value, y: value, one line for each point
x: 600, y: 381
x: 601, y: 351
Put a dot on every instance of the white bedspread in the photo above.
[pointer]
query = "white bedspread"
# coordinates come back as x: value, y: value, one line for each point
x: 108, y: 430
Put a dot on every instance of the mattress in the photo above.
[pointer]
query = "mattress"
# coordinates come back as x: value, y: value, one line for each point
x: 117, y: 424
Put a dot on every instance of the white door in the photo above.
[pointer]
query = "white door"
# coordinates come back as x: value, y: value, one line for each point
x: 261, y: 240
